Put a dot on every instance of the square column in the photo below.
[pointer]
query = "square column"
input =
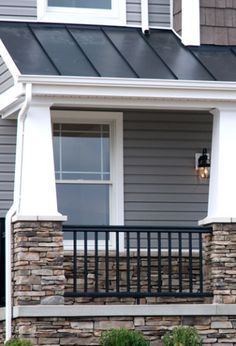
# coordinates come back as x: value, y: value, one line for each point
x: 222, y: 189
x: 36, y: 176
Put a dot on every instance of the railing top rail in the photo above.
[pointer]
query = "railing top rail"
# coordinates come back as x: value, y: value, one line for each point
x: 118, y: 228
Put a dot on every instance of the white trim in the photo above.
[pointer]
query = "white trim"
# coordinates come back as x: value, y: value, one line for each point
x: 172, y: 15
x: 191, y: 22
x: 115, y: 119
x: 125, y: 310
x: 144, y: 16
x: 114, y: 16
x: 2, y: 314
x: 50, y: 218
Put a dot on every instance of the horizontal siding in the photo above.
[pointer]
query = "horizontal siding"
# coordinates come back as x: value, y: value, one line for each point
x: 161, y: 187
x: 18, y: 9
x: 6, y: 80
x: 7, y: 163
x: 159, y: 12
x: 133, y: 12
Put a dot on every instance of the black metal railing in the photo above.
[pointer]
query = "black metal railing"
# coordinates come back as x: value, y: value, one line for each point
x: 2, y: 262
x: 127, y: 261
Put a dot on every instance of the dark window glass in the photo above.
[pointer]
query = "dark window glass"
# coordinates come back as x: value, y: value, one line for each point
x: 82, y: 152
x: 98, y: 4
x: 84, y: 204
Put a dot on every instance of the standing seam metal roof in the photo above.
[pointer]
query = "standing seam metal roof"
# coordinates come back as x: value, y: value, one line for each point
x: 103, y: 51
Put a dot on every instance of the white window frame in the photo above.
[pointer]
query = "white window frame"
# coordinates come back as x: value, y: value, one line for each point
x: 114, y: 16
x: 116, y: 193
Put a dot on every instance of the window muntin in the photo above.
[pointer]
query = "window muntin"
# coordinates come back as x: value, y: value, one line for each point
x: 98, y: 4
x: 82, y: 168
x: 90, y: 144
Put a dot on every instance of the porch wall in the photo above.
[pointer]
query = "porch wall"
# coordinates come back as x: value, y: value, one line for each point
x: 68, y: 269
x: 160, y: 183
x: 215, y: 330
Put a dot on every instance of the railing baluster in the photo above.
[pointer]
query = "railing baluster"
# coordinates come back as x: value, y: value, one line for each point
x: 159, y: 263
x: 138, y: 265
x: 149, y: 270
x: 190, y: 262
x: 200, y: 262
x: 117, y: 263
x: 74, y: 261
x: 169, y: 263
x: 96, y: 260
x: 180, y: 262
x: 107, y: 260
x: 156, y: 238
x: 85, y: 261
x: 128, y: 260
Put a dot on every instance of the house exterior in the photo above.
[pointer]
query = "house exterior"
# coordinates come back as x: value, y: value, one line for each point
x: 104, y: 106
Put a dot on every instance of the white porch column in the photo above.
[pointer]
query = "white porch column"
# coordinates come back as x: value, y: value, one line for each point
x: 37, y: 192
x: 191, y: 22
x: 222, y: 190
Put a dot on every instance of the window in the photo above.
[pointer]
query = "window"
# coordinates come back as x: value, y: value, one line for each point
x: 82, y: 164
x: 88, y: 156
x: 111, y: 12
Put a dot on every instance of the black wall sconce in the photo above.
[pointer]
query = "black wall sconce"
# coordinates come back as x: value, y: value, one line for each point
x: 202, y: 164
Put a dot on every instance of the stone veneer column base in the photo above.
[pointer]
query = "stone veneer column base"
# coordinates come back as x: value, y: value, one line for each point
x: 221, y: 263
x: 38, y: 274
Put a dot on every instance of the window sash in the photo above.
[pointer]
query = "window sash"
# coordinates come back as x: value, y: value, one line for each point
x: 97, y: 4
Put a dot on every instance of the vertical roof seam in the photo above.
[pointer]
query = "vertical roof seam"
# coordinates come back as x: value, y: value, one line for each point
x: 155, y: 52
x: 82, y: 51
x: 43, y: 49
x: 201, y: 63
x: 119, y: 52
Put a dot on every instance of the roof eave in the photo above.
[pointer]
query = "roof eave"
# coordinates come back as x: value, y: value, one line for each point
x: 185, y: 92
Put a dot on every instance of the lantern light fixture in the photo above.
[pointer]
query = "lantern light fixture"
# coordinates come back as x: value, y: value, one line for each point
x: 202, y: 164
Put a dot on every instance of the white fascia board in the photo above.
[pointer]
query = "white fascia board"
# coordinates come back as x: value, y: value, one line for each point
x: 9, y: 62
x: 121, y: 92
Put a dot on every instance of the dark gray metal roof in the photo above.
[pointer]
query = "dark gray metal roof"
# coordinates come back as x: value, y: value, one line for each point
x: 79, y: 50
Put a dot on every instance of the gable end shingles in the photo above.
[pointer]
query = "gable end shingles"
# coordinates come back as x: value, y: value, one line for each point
x: 218, y: 22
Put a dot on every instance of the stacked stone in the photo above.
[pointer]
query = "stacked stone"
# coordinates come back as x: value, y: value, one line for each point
x: 38, y: 274
x: 222, y: 263
x: 2, y: 332
x: 86, y: 331
x: 154, y: 270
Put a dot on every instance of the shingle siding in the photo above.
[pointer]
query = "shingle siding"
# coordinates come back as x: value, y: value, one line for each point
x: 161, y: 186
x: 218, y: 22
x: 177, y: 16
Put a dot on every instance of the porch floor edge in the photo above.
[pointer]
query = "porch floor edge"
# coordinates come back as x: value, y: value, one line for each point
x: 123, y: 310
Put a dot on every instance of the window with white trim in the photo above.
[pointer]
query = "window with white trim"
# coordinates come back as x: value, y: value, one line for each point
x: 88, y: 156
x: 111, y: 12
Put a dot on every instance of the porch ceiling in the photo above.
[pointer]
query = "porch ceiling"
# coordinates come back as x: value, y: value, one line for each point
x: 95, y: 51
